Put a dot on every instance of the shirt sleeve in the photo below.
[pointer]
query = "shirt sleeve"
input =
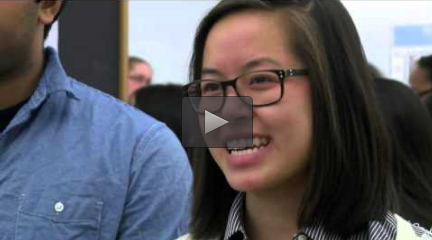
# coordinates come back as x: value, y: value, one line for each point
x: 158, y: 198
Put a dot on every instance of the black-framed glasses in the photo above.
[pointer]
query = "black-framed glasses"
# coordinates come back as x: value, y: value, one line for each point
x: 139, y: 78
x: 265, y: 87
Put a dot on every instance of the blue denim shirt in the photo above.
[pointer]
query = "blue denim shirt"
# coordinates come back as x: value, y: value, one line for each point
x: 78, y: 164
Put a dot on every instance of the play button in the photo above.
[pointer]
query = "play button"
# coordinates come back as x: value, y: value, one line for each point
x: 212, y: 122
x: 215, y: 121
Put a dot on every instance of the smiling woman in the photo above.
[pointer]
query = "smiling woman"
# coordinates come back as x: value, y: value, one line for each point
x: 319, y: 164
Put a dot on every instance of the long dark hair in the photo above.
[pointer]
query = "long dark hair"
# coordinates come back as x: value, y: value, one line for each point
x: 350, y: 183
x: 411, y: 129
x: 428, y: 103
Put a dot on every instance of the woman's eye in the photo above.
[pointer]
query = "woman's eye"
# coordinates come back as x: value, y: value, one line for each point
x: 211, y: 87
x: 261, y: 80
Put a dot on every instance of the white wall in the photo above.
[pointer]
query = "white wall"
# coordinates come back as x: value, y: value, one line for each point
x: 162, y: 31
x: 375, y: 21
x: 52, y: 39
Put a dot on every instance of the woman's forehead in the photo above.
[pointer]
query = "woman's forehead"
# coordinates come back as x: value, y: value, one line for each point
x: 243, y: 37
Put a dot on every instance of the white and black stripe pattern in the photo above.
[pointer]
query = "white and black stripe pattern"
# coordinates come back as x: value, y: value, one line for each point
x: 235, y: 219
x: 376, y: 230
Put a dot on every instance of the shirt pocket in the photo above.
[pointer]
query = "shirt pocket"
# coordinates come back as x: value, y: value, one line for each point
x: 62, y: 217
x: 8, y: 213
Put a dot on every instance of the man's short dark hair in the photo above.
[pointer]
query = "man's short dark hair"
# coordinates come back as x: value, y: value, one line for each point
x: 426, y: 63
x: 48, y: 27
x: 162, y: 102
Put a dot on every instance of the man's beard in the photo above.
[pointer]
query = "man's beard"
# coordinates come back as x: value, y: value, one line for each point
x: 13, y: 60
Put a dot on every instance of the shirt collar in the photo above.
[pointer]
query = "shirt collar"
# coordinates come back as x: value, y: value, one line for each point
x: 235, y: 223
x: 376, y: 230
x: 54, y: 79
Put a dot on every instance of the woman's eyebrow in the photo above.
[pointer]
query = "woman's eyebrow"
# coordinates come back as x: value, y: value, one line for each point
x: 210, y: 71
x: 259, y: 61
x: 249, y: 66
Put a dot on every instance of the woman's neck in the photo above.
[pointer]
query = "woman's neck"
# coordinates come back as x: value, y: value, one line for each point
x: 273, y: 214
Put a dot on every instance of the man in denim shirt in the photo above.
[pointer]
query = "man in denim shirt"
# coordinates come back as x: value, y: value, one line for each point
x: 76, y: 163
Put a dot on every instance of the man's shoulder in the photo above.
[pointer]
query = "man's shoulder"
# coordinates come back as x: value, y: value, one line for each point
x: 90, y: 96
x: 107, y: 112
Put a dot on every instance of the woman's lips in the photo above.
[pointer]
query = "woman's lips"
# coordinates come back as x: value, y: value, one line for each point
x: 249, y: 159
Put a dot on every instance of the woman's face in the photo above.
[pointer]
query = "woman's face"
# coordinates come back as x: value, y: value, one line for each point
x: 250, y: 41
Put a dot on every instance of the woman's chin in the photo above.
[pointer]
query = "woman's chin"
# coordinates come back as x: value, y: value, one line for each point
x: 246, y: 183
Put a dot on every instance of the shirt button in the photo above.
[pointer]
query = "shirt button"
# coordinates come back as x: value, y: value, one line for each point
x: 301, y: 236
x: 59, y: 207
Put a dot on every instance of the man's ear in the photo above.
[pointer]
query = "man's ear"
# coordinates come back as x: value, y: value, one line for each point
x: 48, y: 10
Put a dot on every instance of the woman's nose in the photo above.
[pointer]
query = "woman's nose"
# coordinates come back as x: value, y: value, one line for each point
x: 231, y: 92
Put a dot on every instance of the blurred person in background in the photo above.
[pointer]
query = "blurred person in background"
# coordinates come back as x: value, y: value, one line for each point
x: 162, y: 102
x: 76, y: 163
x: 410, y: 126
x: 140, y: 74
x: 420, y: 78
x: 374, y: 71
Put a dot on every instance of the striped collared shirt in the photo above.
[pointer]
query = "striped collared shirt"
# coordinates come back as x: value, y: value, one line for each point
x: 386, y: 230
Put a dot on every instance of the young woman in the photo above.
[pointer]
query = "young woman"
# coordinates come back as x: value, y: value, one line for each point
x: 319, y: 165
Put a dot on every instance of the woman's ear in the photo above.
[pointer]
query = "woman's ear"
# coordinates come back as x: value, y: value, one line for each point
x: 48, y: 10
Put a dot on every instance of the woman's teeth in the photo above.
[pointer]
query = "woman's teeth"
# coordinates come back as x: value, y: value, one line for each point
x: 244, y: 151
x: 246, y: 146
